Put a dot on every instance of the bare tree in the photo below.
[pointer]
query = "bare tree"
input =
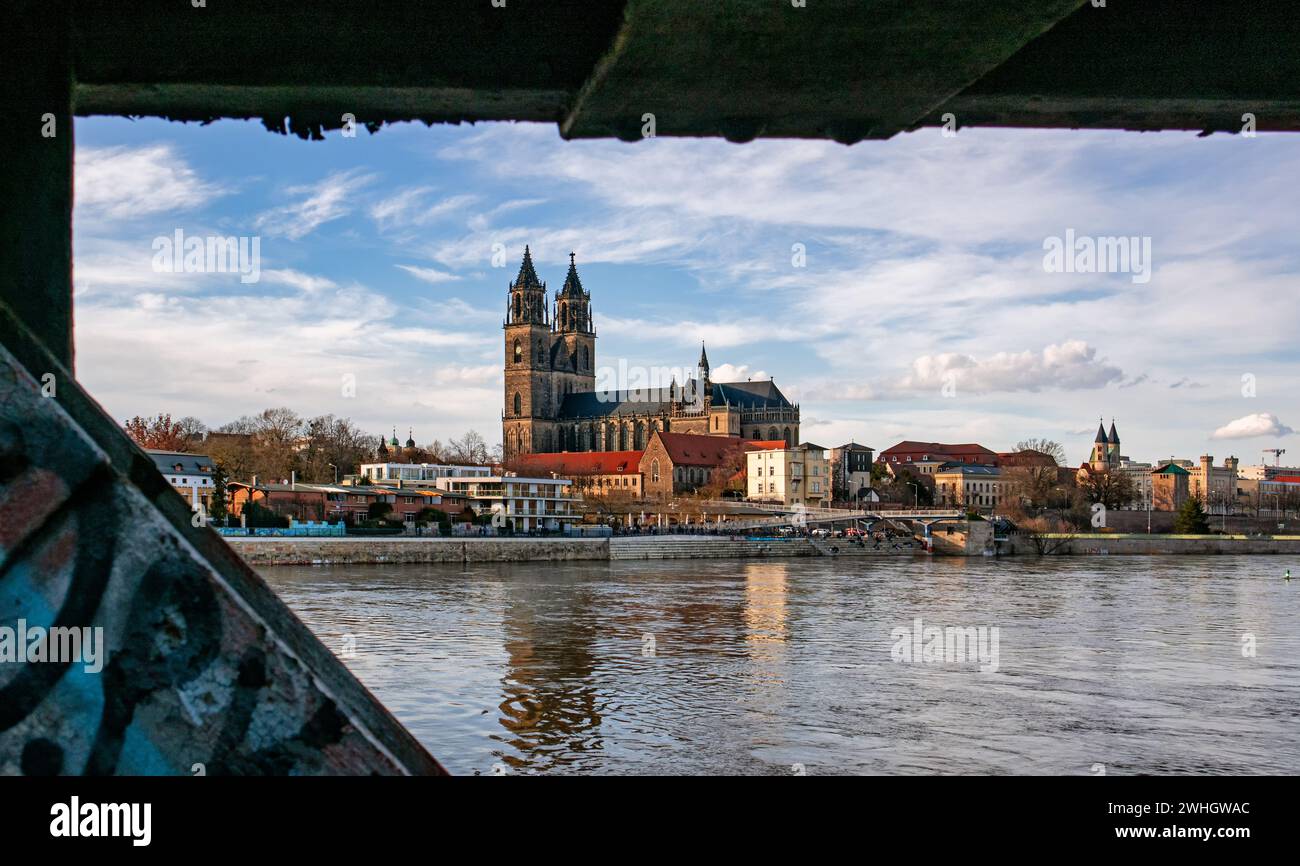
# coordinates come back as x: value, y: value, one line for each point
x: 470, y: 448
x: 1050, y: 447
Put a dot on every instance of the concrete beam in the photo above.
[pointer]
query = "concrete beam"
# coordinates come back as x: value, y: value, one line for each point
x: 300, y: 66
x: 36, y: 175
x: 840, y: 69
x: 1146, y: 65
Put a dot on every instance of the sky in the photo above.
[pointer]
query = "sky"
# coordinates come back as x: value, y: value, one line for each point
x: 901, y: 289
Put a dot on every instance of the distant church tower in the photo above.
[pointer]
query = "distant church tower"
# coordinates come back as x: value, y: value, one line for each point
x: 1105, y: 448
x: 550, y: 352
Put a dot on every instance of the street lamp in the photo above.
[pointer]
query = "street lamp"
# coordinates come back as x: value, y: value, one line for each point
x: 336, y: 472
x: 916, y: 495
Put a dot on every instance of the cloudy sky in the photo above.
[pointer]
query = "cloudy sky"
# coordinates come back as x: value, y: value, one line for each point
x: 895, y: 289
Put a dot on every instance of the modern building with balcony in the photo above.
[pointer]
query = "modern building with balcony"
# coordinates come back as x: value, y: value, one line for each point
x: 415, y: 474
x: 526, y: 504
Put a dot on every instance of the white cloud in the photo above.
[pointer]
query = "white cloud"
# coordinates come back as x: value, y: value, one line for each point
x: 734, y: 373
x: 1068, y: 366
x: 413, y: 207
x: 322, y: 202
x: 307, y: 283
x: 429, y: 275
x: 118, y: 183
x: 1249, y: 426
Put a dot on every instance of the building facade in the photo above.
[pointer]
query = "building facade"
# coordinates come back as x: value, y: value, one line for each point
x: 797, y: 475
x: 416, y: 474
x: 593, y: 473
x: 190, y: 475
x: 968, y: 485
x: 1215, y: 486
x: 526, y: 504
x: 851, y: 471
x: 1169, y: 488
x: 685, y: 462
x: 551, y: 403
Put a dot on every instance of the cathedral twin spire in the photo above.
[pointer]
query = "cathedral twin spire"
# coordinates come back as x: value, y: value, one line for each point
x: 528, y: 299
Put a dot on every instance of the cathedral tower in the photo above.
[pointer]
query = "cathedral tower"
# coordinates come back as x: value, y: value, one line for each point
x: 529, y: 392
x: 577, y: 333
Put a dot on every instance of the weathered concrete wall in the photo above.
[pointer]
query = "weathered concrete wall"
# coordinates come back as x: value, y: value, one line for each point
x: 1162, y: 545
x: 357, y: 551
x: 970, y: 538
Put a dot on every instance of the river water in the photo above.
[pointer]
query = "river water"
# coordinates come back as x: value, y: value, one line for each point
x: 1119, y: 665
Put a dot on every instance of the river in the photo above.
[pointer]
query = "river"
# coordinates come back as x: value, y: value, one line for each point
x: 1114, y: 665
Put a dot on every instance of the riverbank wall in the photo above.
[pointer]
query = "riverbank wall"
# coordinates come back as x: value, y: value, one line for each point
x: 369, y: 551
x: 397, y: 551
x: 1113, y: 544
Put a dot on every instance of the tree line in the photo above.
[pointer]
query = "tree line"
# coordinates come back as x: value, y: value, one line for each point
x: 277, y: 443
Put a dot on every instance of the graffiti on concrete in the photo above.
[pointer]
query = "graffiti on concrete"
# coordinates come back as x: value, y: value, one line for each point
x: 196, y: 682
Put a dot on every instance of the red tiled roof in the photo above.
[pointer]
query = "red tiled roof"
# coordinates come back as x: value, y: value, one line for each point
x: 569, y: 463
x: 692, y: 449
x: 910, y: 446
x: 765, y: 445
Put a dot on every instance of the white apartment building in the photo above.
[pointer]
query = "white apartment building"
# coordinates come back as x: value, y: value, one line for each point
x: 189, y: 474
x: 417, y: 474
x: 800, y: 474
x: 528, y: 503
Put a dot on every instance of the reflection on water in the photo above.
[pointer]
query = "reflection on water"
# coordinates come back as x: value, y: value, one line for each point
x: 1139, y: 664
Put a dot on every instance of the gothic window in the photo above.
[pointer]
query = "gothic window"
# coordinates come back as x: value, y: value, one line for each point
x: 586, y: 358
x: 771, y: 433
x: 787, y: 436
x: 541, y: 353
x: 654, y: 470
x: 519, y: 404
x: 519, y: 352
x: 517, y: 308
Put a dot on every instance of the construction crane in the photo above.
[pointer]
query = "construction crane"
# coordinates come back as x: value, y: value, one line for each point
x: 1277, y: 455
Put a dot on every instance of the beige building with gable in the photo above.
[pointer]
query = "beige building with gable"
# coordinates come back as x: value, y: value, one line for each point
x: 800, y: 474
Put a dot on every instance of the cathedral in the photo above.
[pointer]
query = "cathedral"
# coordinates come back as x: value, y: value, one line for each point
x: 551, y: 401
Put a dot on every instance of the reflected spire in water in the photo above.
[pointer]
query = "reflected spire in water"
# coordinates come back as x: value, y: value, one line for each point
x: 549, y: 705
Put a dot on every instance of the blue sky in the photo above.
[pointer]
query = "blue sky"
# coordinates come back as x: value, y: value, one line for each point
x: 921, y: 309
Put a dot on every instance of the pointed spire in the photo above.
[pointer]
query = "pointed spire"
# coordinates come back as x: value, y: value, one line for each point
x: 704, y: 358
x: 1113, y: 437
x: 527, y: 278
x: 572, y: 285
x: 1101, y: 431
